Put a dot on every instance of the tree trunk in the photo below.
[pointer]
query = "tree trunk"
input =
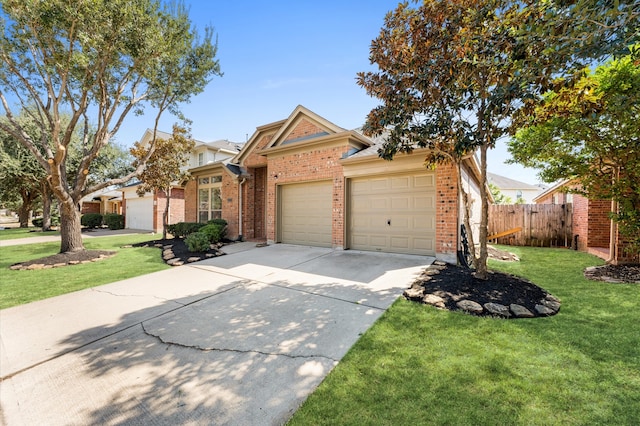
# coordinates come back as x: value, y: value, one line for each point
x: 481, y: 271
x: 27, y: 203
x: 46, y: 207
x: 70, y: 228
x: 466, y: 204
x: 165, y: 215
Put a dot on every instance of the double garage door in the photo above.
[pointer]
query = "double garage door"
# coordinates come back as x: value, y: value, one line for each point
x: 393, y: 214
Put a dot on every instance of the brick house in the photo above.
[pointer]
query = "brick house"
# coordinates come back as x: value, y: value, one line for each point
x: 145, y: 213
x: 304, y: 180
x: 593, y: 231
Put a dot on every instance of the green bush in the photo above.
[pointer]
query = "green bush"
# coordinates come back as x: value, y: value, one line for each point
x: 197, y: 241
x: 91, y: 220
x: 38, y: 222
x: 114, y: 221
x: 215, y: 233
x: 220, y: 222
x: 182, y: 229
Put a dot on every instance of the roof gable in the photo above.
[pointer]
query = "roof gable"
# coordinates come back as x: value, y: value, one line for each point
x: 303, y: 125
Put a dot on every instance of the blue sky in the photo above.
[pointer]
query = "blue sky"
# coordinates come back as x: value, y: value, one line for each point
x: 279, y: 54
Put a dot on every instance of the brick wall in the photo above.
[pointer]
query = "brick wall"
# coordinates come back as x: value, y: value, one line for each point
x: 580, y: 222
x: 230, y: 204
x: 191, y: 201
x: 253, y: 216
x: 90, y: 207
x: 304, y: 128
x: 176, y: 207
x: 599, y: 226
x: 316, y: 164
x: 446, y: 212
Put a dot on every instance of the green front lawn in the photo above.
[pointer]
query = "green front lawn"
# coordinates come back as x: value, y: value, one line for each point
x: 18, y: 287
x: 15, y: 233
x: 420, y: 365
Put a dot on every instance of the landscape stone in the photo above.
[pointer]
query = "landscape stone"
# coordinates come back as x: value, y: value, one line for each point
x: 470, y: 306
x: 543, y: 310
x: 552, y: 298
x: 414, y: 293
x: 175, y: 262
x: 520, y: 311
x: 554, y: 306
x: 193, y: 259
x: 497, y: 309
x: 433, y: 300
x: 35, y: 266
x: 431, y: 271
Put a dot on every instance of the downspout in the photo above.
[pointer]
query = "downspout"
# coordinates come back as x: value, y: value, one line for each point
x: 240, y: 182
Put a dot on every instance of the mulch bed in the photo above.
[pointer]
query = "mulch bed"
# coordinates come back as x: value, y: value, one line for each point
x: 174, y: 251
x: 64, y: 259
x: 614, y: 273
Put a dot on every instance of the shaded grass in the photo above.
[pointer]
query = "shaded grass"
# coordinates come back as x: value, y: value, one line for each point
x: 14, y: 233
x: 18, y: 287
x: 420, y: 365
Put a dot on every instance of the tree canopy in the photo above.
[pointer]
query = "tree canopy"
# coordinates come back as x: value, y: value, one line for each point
x: 165, y: 167
x: 97, y: 61
x: 453, y: 74
x: 590, y: 132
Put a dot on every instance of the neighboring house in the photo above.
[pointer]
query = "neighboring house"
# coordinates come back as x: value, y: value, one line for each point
x: 104, y: 201
x: 304, y: 180
x: 518, y: 192
x: 593, y: 231
x: 145, y: 213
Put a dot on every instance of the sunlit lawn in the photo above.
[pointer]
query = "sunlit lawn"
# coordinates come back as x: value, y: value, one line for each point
x: 18, y: 287
x: 420, y: 365
x: 15, y: 233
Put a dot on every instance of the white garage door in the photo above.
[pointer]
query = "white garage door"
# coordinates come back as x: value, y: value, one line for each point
x: 305, y: 213
x: 139, y: 214
x: 394, y: 214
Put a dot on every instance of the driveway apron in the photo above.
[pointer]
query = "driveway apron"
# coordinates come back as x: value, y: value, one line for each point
x: 240, y: 339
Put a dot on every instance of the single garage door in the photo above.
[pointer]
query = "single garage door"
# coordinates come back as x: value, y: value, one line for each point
x: 394, y: 214
x: 139, y: 214
x: 305, y: 213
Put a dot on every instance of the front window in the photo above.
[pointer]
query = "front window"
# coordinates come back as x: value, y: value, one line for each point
x: 518, y: 194
x: 201, y: 159
x: 209, y: 198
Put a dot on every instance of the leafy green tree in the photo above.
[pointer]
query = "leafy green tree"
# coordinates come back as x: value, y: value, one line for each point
x: 454, y: 72
x: 590, y: 132
x: 98, y: 61
x: 498, y: 196
x: 165, y: 166
x: 20, y: 177
x: 446, y: 77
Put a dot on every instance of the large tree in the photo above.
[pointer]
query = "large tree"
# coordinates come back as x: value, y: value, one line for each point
x: 454, y: 72
x: 590, y: 132
x: 165, y: 167
x: 98, y: 61
x: 446, y: 77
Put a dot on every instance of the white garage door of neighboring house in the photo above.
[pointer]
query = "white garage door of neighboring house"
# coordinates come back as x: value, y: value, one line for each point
x: 139, y: 214
x: 305, y: 213
x: 393, y: 214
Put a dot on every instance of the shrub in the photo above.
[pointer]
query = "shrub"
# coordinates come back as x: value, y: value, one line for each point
x: 220, y: 222
x: 215, y: 233
x: 38, y: 222
x: 114, y: 221
x: 182, y: 229
x: 91, y: 220
x: 197, y: 241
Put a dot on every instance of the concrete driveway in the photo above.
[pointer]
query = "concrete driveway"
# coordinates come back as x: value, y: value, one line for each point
x: 240, y: 339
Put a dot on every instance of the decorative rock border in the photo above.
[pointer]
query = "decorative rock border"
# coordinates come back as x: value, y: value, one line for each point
x: 548, y: 306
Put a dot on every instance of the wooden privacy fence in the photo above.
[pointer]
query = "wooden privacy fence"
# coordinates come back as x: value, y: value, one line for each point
x: 538, y: 225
